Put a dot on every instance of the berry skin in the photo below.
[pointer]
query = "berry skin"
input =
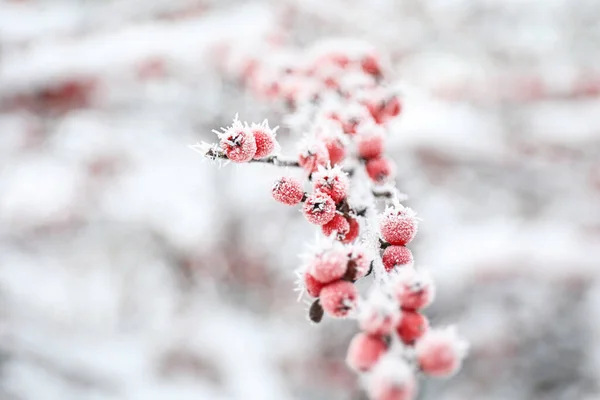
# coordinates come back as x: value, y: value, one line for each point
x: 312, y: 285
x: 414, y: 290
x: 412, y: 326
x: 329, y: 266
x: 288, y: 191
x: 339, y: 298
x: 399, y: 225
x: 333, y: 182
x: 391, y: 379
x: 379, y: 320
x: 312, y: 156
x: 319, y: 209
x: 238, y: 143
x: 370, y: 65
x: 392, y: 107
x: 380, y: 169
x: 364, y: 352
x: 353, y: 230
x: 265, y: 140
x: 338, y: 224
x: 394, y: 256
x: 370, y: 145
x: 440, y: 353
x: 336, y: 150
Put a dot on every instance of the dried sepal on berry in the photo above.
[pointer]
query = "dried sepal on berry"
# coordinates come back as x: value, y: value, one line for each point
x: 398, y: 225
x: 319, y: 208
x: 391, y: 379
x: 288, y: 190
x: 266, y: 143
x: 332, y: 181
x: 237, y: 142
x: 312, y: 153
x: 339, y: 298
x: 440, y: 352
x: 364, y: 351
x: 414, y: 290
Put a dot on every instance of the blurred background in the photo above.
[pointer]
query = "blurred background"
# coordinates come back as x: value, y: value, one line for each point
x: 132, y: 269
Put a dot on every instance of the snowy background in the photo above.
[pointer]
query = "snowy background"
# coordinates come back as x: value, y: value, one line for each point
x: 131, y: 269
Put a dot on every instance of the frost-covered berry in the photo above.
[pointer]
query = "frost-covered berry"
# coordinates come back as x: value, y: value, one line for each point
x: 440, y: 352
x: 319, y: 208
x: 370, y: 144
x: 339, y: 298
x: 380, y: 169
x: 312, y: 285
x: 398, y: 225
x: 392, y: 107
x: 358, y: 262
x: 391, y: 379
x: 353, y: 230
x: 238, y: 143
x: 379, y: 314
x: 413, y: 289
x: 265, y: 139
x: 288, y: 191
x: 370, y: 65
x: 329, y: 266
x: 412, y: 326
x: 364, y: 351
x: 333, y: 182
x: 312, y: 154
x: 336, y: 149
x: 338, y: 224
x: 394, y: 256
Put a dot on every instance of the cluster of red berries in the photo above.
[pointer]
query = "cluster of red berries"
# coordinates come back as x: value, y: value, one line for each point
x: 242, y: 143
x: 345, y: 127
x: 329, y: 275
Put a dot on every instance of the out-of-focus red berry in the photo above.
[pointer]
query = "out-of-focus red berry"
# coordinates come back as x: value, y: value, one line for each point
x: 328, y: 266
x: 440, y: 353
x: 380, y: 169
x: 364, y: 352
x: 412, y: 326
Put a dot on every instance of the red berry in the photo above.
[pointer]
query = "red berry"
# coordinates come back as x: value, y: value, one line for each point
x: 312, y: 285
x: 336, y: 150
x: 333, y: 182
x: 338, y: 224
x: 440, y: 353
x: 288, y: 191
x: 380, y: 169
x: 329, y: 266
x: 399, y: 225
x: 364, y: 352
x: 391, y: 379
x: 319, y: 209
x: 414, y: 290
x: 370, y: 145
x: 379, y: 314
x: 412, y: 326
x: 370, y: 65
x: 394, y: 256
x: 339, y: 298
x: 353, y: 230
x: 313, y: 155
x: 392, y: 107
x: 265, y: 140
x: 238, y: 143
x: 360, y: 261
